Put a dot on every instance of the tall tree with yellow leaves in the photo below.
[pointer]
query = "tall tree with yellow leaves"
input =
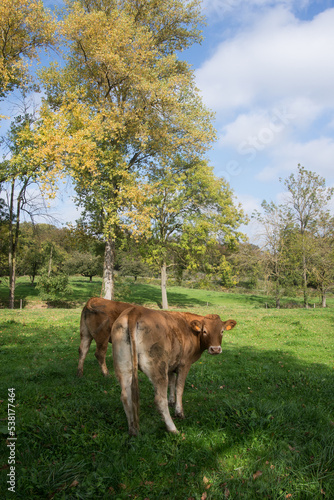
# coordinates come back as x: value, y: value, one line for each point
x: 122, y: 102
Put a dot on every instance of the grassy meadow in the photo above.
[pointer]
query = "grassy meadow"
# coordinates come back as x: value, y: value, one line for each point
x: 259, y: 418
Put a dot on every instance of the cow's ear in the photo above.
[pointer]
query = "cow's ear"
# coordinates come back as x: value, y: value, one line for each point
x: 196, y: 326
x: 229, y: 324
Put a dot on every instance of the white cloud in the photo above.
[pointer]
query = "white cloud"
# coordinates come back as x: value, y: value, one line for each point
x: 278, y: 58
x: 244, y: 126
x: 259, y: 127
x: 316, y: 155
x: 262, y: 129
x: 249, y: 203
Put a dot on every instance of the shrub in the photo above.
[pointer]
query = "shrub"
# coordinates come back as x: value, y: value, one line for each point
x: 54, y: 286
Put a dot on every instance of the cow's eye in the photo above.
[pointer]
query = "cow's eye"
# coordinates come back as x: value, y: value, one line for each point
x: 205, y: 332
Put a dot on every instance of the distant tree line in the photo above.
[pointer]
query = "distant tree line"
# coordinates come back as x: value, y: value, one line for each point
x: 294, y: 254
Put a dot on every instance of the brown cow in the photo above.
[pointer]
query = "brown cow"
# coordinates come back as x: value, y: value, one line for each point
x: 163, y: 345
x: 97, y: 318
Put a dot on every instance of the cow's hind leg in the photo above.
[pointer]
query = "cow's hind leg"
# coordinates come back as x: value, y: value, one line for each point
x: 86, y: 340
x: 100, y: 354
x: 171, y: 385
x: 126, y: 398
x: 158, y: 375
x: 123, y: 370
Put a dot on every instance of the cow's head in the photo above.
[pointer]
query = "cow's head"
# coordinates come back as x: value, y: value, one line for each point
x: 210, y: 330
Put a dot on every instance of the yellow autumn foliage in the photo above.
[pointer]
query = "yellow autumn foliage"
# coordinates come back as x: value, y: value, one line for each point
x: 25, y: 27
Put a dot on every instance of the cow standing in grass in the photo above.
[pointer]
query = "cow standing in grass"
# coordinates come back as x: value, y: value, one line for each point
x: 97, y: 319
x: 163, y: 345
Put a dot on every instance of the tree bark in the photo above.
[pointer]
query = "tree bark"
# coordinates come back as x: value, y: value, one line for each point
x: 108, y: 269
x: 323, y: 298
x: 13, y: 240
x: 14, y: 229
x: 164, y: 285
x: 11, y: 252
x: 305, y: 291
x: 50, y: 262
x: 305, y: 283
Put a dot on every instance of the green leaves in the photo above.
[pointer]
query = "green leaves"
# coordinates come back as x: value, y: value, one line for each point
x: 191, y: 212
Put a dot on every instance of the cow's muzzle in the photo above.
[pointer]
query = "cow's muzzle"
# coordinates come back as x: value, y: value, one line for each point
x: 215, y: 349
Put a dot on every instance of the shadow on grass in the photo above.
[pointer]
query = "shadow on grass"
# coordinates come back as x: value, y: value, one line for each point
x: 150, y: 294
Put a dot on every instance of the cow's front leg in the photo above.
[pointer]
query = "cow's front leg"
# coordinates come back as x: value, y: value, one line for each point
x: 181, y: 379
x: 171, y: 385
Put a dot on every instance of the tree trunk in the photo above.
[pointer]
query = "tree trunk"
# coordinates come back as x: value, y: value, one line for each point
x: 108, y: 269
x: 323, y: 298
x: 12, y: 279
x: 277, y: 295
x: 164, y: 285
x: 305, y: 291
x: 13, y: 239
x: 50, y: 262
x: 11, y: 253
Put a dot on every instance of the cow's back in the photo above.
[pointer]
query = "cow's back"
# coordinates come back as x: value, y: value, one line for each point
x: 97, y: 318
x: 160, y: 336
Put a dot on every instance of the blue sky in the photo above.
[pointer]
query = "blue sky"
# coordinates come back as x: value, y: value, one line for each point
x: 267, y: 70
x: 266, y: 67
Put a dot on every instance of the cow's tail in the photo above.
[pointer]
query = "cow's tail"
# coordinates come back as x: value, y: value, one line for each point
x: 87, y: 311
x: 93, y: 308
x: 132, y: 325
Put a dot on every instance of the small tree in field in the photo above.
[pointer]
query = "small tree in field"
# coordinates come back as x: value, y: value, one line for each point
x: 190, y: 212
x: 306, y: 204
x: 275, y: 224
x: 20, y: 173
x: 54, y: 286
x: 246, y: 264
x: 84, y: 263
x: 321, y: 262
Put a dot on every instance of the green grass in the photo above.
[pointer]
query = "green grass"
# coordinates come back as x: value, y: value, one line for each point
x: 259, y: 418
